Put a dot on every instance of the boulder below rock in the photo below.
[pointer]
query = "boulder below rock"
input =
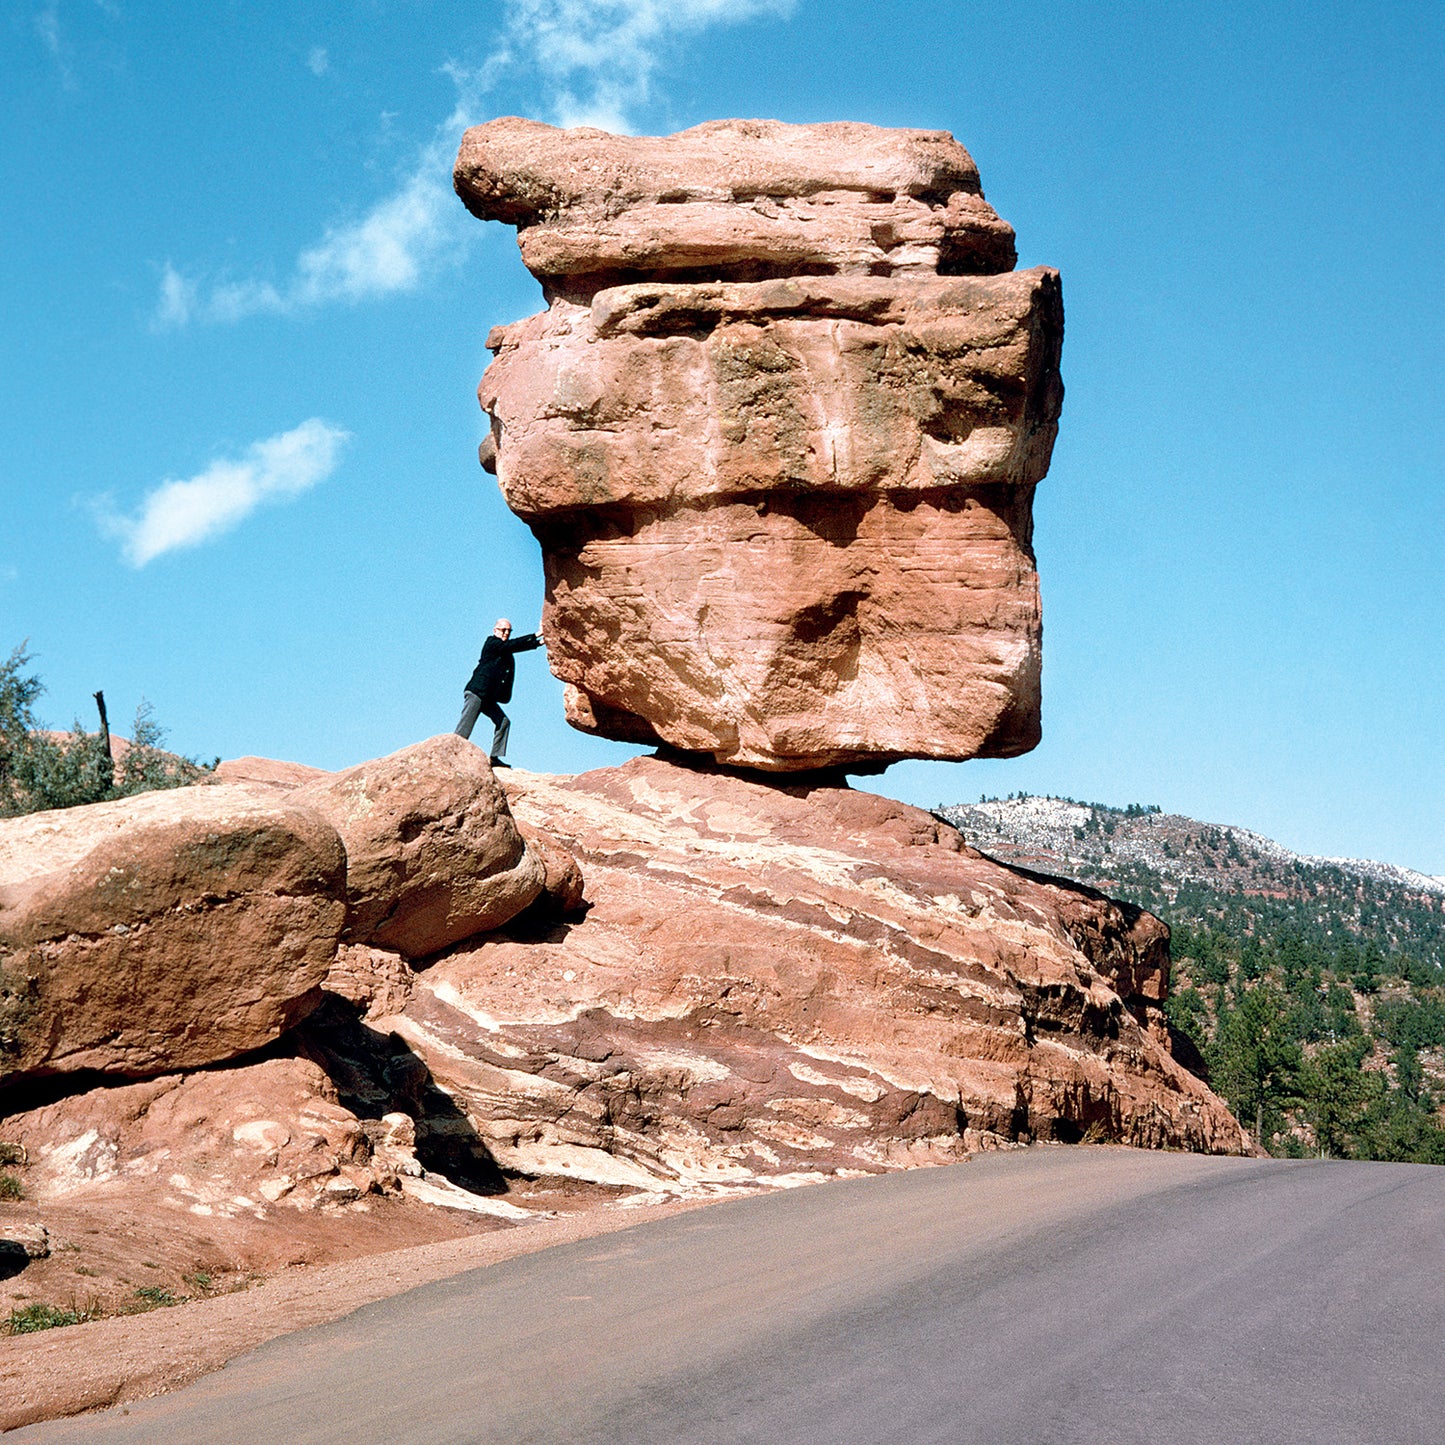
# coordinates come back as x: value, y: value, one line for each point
x: 562, y: 883
x: 163, y: 931
x: 782, y: 983
x: 432, y: 853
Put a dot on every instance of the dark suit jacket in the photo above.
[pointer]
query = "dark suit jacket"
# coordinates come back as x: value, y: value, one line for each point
x: 492, y: 679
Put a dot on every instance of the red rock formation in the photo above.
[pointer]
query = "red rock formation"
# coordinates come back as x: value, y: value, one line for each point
x: 722, y: 983
x: 187, y: 1185
x: 772, y: 984
x: 777, y: 434
x: 732, y: 198
x: 432, y: 854
x: 267, y: 773
x: 163, y: 931
x: 230, y: 1141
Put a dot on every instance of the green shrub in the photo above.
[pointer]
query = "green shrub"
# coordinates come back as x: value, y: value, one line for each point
x: 26, y: 1320
x: 10, y: 1187
x: 155, y: 1297
x: 39, y: 771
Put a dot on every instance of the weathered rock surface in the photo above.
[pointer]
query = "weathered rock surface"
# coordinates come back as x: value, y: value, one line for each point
x: 32, y: 1240
x: 773, y: 985
x: 162, y: 932
x: 562, y: 884
x: 225, y: 1141
x: 432, y: 853
x: 376, y: 981
x: 744, y: 197
x: 192, y: 1185
x: 778, y: 435
x: 267, y: 773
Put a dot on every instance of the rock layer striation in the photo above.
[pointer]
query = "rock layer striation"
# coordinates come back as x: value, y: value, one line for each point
x: 778, y: 433
x: 778, y: 984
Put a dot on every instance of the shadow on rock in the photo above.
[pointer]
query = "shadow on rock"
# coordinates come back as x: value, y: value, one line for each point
x: 377, y: 1073
x: 13, y: 1258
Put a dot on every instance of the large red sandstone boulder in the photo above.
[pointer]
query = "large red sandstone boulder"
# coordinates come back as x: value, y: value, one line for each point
x: 162, y: 932
x: 778, y: 435
x: 777, y: 984
x: 432, y: 853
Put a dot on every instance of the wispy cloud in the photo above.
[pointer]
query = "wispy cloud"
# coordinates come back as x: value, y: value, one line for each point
x: 598, y: 58
x: 596, y: 61
x: 46, y: 22
x: 180, y: 514
x: 177, y: 302
x: 390, y: 249
x: 317, y: 61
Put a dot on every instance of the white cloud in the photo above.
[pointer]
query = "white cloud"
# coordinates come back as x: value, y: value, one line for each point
x: 597, y: 58
x: 47, y: 26
x: 46, y: 21
x: 186, y: 513
x: 178, y: 298
x: 384, y: 251
x: 388, y: 250
x: 318, y: 62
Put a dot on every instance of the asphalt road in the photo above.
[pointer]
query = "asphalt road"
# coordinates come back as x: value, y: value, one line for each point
x: 1054, y: 1295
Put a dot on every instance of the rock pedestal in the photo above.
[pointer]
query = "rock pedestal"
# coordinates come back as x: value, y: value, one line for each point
x: 774, y: 984
x: 778, y: 434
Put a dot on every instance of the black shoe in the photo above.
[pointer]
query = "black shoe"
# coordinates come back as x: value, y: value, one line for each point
x: 500, y: 763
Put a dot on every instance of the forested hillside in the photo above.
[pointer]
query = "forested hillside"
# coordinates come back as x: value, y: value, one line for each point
x: 1312, y: 990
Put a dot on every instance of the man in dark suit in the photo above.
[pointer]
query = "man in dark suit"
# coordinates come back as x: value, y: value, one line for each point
x: 491, y: 685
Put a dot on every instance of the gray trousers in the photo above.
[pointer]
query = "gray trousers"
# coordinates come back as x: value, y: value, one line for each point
x: 472, y: 708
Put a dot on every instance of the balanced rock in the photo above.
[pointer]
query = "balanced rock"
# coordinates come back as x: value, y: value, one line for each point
x: 164, y: 931
x: 432, y: 853
x: 777, y: 434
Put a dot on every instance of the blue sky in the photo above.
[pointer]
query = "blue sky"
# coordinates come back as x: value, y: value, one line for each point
x: 242, y: 329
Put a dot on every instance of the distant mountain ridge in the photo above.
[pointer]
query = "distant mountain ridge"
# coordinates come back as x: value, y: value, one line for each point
x: 1170, y: 863
x: 1309, y: 991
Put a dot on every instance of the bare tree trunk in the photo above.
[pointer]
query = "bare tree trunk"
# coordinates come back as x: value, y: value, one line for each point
x: 108, y: 763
